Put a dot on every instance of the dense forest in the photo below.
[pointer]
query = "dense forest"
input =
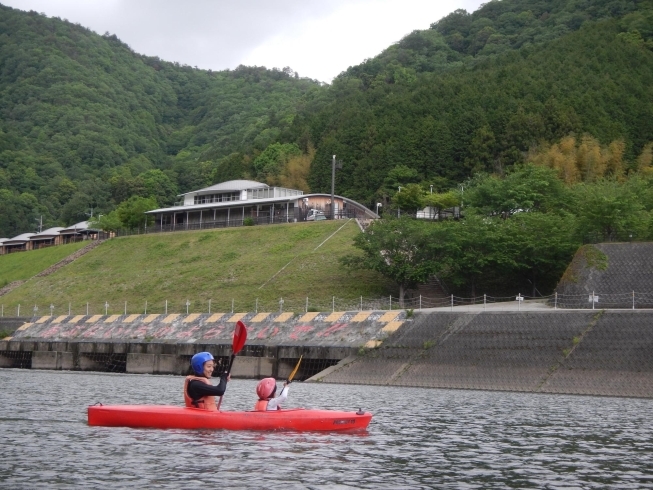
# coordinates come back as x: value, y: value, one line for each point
x: 460, y: 109
x: 86, y: 123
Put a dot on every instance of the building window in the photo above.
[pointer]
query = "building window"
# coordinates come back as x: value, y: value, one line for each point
x: 211, y: 198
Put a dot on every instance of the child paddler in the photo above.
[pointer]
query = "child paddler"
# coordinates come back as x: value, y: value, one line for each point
x: 266, y: 389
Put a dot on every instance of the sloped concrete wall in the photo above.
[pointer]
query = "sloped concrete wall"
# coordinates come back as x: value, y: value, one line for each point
x: 593, y: 352
x: 613, y: 274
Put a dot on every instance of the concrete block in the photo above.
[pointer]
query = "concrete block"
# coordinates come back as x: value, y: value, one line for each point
x: 43, y: 346
x: 103, y: 347
x: 170, y: 364
x: 140, y: 363
x: 154, y: 348
x: 59, y: 346
x: 120, y: 348
x: 45, y: 360
x: 4, y: 345
x: 253, y: 367
x: 6, y: 362
x: 67, y: 361
x: 88, y: 364
x: 14, y: 345
x: 86, y: 347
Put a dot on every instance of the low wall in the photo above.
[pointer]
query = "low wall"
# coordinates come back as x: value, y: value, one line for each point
x: 575, y: 352
x: 254, y: 361
x: 163, y: 344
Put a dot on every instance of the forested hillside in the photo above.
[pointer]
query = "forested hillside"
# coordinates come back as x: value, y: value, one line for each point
x: 87, y: 123
x: 478, y: 91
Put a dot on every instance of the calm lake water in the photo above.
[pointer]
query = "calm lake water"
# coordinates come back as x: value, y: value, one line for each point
x: 418, y: 438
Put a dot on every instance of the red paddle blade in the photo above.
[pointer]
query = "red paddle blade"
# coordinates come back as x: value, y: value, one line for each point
x: 240, y: 337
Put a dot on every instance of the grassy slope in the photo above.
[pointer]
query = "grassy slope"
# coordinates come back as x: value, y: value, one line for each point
x: 17, y: 266
x: 218, y: 265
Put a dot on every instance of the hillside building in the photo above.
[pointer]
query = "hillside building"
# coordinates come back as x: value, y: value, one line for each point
x: 231, y: 203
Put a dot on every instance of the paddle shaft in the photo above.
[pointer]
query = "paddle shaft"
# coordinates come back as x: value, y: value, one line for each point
x: 240, y: 337
x: 231, y: 363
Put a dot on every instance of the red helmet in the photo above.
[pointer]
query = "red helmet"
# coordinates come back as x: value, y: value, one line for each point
x: 266, y: 388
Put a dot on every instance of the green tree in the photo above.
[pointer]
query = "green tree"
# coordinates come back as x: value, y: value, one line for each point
x: 610, y: 210
x: 409, y: 198
x: 396, y: 248
x: 132, y: 212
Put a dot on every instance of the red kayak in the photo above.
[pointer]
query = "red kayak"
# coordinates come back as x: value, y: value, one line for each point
x: 169, y: 417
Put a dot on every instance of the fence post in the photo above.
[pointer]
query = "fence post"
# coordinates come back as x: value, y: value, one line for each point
x: 146, y: 307
x: 361, y: 304
x: 209, y: 307
x: 452, y: 302
x: 256, y: 307
x: 3, y: 310
x: 555, y: 301
x: 125, y: 308
x: 86, y: 309
x: 593, y: 299
x: 333, y: 304
x: 420, y: 301
x: 484, y: 300
x: 232, y: 305
x: 306, y: 304
x: 18, y: 313
x: 390, y: 302
x: 633, y: 300
x: 166, y: 307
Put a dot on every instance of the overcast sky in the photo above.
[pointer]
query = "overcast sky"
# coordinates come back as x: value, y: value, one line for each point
x: 316, y: 38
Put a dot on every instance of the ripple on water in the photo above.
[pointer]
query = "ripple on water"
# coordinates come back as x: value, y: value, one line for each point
x: 418, y: 438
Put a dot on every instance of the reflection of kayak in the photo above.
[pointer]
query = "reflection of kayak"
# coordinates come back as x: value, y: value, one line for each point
x: 169, y: 417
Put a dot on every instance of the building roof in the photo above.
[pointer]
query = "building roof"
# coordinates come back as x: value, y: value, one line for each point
x: 227, y: 204
x: 19, y: 239
x: 50, y: 232
x: 230, y: 185
x: 77, y: 227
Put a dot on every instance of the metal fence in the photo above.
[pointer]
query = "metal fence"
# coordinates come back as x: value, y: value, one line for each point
x: 594, y: 300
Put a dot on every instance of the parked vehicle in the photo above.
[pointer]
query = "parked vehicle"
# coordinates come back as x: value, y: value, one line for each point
x: 315, y: 215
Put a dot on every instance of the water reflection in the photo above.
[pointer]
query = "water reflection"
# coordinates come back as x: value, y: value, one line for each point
x: 418, y: 438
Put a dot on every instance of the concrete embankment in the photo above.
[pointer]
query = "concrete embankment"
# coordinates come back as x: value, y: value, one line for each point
x: 163, y: 344
x: 575, y: 352
x: 600, y: 352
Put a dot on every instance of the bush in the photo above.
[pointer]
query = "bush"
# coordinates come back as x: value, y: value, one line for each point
x: 248, y: 222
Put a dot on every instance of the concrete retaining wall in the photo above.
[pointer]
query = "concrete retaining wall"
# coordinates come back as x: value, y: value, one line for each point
x: 254, y: 361
x: 597, y: 353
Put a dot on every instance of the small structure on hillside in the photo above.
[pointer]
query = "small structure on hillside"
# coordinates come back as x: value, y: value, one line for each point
x: 78, y: 232
x: 234, y: 202
x: 47, y: 238
x: 18, y: 243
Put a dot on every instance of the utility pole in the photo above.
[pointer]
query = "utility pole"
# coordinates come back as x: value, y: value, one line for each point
x: 334, y: 165
x: 333, y: 188
x: 40, y: 220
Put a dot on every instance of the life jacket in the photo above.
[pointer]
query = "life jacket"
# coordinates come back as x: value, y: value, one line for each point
x: 206, y: 402
x: 262, y: 405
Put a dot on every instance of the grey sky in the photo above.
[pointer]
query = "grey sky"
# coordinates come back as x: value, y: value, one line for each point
x: 318, y: 39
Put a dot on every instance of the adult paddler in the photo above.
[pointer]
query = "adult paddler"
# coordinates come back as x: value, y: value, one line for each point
x: 198, y: 390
